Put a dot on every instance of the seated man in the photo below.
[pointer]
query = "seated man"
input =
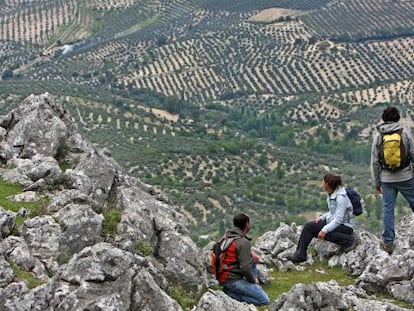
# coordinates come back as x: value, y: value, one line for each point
x: 240, y: 278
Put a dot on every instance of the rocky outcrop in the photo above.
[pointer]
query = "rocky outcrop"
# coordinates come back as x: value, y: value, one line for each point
x: 64, y: 245
x: 77, y: 265
x: 215, y: 300
x: 330, y: 296
x: 376, y: 270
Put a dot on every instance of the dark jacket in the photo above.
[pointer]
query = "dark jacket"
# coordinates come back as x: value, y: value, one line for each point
x: 239, y: 257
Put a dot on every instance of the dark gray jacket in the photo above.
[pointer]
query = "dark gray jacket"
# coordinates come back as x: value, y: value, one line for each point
x: 242, y: 268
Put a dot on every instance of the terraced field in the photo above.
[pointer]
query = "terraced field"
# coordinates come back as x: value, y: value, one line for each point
x: 222, y: 106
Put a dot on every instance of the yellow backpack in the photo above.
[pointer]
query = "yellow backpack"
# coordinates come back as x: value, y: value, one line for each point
x: 393, y: 155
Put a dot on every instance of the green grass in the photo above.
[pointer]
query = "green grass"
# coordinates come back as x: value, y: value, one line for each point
x: 34, y: 208
x: 185, y: 299
x: 138, y: 26
x: 144, y: 248
x: 28, y: 277
x: 318, y: 272
x: 112, y: 218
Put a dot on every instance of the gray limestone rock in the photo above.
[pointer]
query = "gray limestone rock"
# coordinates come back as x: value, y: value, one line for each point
x: 7, y: 222
x: 43, y: 234
x: 6, y: 273
x: 81, y: 227
x: 37, y: 127
x: 149, y: 296
x: 98, y: 275
x: 214, y: 300
x: 329, y: 296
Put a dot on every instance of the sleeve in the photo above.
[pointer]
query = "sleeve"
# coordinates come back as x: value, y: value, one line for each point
x: 324, y: 216
x: 245, y: 259
x: 410, y: 140
x: 375, y: 164
x: 341, y: 210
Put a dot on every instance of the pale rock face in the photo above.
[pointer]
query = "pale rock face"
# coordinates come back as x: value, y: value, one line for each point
x: 81, y: 227
x: 217, y: 300
x: 6, y: 274
x: 81, y: 268
x: 329, y: 296
x: 150, y: 253
x: 37, y: 127
x: 7, y: 222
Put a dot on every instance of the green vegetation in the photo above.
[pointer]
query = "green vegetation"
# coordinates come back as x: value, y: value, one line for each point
x: 144, y: 248
x: 28, y: 277
x: 185, y: 298
x: 112, y: 218
x: 318, y: 272
x: 34, y: 208
x: 64, y: 257
x: 252, y: 115
x: 61, y: 158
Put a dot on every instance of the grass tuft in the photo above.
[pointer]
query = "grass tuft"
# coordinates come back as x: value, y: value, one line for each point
x: 318, y: 272
x: 144, y: 248
x: 28, y: 277
x: 184, y: 298
x: 34, y: 209
x: 112, y: 217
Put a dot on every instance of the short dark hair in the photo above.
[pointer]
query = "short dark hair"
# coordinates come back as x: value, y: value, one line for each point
x: 333, y: 181
x: 240, y: 220
x: 391, y: 114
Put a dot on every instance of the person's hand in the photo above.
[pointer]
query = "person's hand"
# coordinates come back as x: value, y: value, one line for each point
x: 256, y: 258
x: 378, y: 189
x: 321, y: 235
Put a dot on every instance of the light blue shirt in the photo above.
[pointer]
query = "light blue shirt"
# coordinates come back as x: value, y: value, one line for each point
x: 340, y: 211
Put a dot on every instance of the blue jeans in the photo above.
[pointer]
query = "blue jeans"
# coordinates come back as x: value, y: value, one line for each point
x: 244, y: 291
x: 389, y: 199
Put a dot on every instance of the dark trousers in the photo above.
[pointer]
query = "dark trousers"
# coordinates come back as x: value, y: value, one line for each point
x: 342, y: 235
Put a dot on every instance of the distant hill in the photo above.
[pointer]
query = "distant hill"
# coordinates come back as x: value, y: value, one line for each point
x: 263, y: 97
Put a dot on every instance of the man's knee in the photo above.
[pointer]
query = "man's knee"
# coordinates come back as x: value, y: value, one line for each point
x: 263, y: 299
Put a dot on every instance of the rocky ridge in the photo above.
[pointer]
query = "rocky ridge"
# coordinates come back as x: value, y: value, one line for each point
x: 151, y: 254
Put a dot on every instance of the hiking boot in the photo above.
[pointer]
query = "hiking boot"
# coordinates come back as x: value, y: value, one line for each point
x: 388, y: 247
x: 295, y: 259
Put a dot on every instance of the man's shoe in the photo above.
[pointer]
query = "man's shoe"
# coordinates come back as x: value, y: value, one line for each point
x: 388, y: 247
x: 295, y: 259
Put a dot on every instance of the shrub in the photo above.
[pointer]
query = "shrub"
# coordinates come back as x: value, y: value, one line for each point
x: 185, y: 298
x: 144, y: 248
x: 112, y: 218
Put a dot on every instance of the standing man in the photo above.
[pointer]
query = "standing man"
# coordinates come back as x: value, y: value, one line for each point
x: 392, y: 155
x: 240, y: 278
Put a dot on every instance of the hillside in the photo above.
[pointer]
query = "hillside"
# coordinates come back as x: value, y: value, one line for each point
x: 222, y: 107
x: 78, y: 233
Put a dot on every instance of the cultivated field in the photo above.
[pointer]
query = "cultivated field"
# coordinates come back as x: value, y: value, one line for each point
x: 221, y: 105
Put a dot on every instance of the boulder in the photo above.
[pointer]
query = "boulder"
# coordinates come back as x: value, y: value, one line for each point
x: 7, y: 222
